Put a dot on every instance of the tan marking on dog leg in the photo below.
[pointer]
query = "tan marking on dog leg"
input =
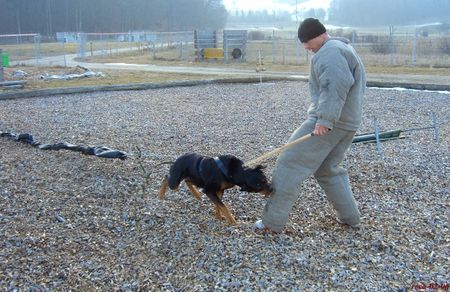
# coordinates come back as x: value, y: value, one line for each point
x: 220, y: 194
x: 217, y: 212
x: 163, y: 188
x: 224, y: 210
x: 194, y: 190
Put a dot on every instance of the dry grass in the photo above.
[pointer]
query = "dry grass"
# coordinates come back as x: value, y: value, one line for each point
x: 112, y: 77
x: 169, y: 57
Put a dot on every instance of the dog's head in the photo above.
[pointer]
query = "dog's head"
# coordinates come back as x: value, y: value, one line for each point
x: 252, y: 180
x: 255, y: 181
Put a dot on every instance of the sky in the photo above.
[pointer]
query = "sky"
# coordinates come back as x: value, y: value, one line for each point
x: 270, y: 5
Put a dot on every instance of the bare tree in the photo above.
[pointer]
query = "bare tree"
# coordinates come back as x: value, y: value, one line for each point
x: 49, y: 16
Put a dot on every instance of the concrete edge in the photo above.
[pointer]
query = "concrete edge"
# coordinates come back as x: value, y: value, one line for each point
x: 407, y: 85
x: 144, y: 86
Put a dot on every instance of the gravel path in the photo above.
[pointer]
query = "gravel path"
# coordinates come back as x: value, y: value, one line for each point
x: 75, y: 222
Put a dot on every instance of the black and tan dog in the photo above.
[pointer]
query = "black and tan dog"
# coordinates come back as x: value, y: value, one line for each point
x: 214, y: 176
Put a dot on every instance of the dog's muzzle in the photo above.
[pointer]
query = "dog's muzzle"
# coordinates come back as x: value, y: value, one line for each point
x: 267, y: 191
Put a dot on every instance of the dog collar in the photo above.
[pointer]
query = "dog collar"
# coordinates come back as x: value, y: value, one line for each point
x: 221, y: 166
x: 199, y: 166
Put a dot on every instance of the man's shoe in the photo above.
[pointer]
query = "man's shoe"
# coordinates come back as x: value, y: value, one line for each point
x: 354, y: 226
x: 259, y: 226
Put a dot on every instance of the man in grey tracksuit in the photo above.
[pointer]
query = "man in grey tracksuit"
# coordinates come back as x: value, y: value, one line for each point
x: 337, y: 85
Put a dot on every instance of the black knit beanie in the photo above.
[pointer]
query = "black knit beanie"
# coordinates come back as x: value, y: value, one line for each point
x: 309, y: 29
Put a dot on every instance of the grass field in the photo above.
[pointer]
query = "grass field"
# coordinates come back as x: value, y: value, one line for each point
x: 112, y: 77
x: 168, y: 58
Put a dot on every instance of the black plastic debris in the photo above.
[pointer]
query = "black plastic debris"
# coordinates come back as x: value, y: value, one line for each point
x: 103, y: 152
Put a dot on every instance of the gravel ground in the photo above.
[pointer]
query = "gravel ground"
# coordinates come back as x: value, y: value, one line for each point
x: 74, y: 222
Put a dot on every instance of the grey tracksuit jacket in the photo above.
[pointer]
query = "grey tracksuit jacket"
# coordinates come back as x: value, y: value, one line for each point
x: 336, y: 94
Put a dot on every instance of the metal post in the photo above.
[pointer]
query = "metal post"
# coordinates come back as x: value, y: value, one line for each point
x: 436, y: 128
x: 131, y: 43
x: 414, y: 50
x: 154, y: 51
x: 64, y: 52
x: 82, y: 45
x: 377, y: 137
x: 273, y: 46
x: 19, y: 42
x: 1, y: 65
x: 259, y: 66
x: 37, y: 48
x: 391, y: 45
x: 225, y: 48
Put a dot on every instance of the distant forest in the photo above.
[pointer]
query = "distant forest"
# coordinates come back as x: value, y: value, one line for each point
x: 50, y: 16
x: 388, y: 12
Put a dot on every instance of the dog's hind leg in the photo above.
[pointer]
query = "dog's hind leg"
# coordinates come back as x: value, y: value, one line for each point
x: 193, y: 190
x: 163, y: 188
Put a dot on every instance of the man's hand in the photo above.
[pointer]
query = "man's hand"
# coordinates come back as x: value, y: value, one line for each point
x: 320, y: 130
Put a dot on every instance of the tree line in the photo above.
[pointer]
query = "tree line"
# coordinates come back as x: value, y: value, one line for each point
x: 50, y: 16
x: 388, y: 12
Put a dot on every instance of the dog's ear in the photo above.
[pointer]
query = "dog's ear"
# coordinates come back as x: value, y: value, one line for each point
x: 235, y: 165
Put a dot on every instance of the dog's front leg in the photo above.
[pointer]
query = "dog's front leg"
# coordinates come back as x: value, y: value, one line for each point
x: 217, y: 211
x: 220, y: 208
x: 228, y: 216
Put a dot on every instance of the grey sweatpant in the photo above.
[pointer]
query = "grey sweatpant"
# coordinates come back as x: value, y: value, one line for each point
x: 321, y: 156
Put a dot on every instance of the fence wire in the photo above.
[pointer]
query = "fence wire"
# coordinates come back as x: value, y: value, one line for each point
x: 280, y: 47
